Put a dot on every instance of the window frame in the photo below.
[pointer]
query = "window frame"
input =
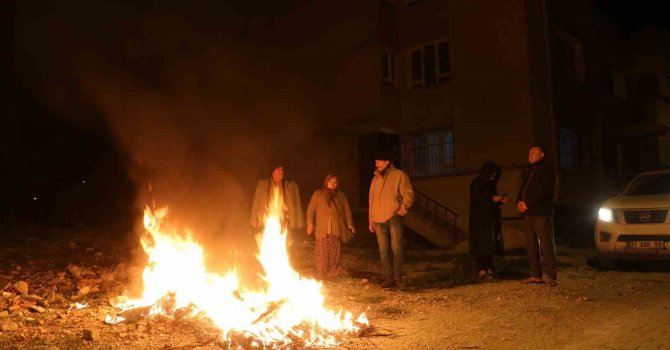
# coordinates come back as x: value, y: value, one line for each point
x: 440, y: 76
x: 417, y: 160
x: 390, y: 62
x: 576, y: 149
x: 574, y: 53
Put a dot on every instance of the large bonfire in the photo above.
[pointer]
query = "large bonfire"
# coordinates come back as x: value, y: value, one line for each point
x: 289, y: 307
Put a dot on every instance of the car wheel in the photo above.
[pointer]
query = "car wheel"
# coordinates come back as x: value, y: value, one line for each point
x: 607, y: 263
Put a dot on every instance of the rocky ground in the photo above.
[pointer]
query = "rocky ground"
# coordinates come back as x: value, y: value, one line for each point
x: 57, y: 292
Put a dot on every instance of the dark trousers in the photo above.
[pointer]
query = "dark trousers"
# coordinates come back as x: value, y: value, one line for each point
x: 484, y: 262
x: 539, y: 232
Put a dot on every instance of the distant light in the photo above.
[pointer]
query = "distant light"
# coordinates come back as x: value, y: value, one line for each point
x: 83, y: 181
x: 35, y: 198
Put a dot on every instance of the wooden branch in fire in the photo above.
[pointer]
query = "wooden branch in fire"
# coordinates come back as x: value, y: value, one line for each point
x: 271, y: 310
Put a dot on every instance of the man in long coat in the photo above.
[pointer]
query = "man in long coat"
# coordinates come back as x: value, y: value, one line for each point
x: 291, y: 215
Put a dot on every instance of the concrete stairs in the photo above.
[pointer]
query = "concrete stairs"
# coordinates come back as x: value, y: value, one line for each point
x: 429, y: 230
x: 433, y: 221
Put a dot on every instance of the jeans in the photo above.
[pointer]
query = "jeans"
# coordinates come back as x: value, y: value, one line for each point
x: 540, y: 242
x: 389, y: 239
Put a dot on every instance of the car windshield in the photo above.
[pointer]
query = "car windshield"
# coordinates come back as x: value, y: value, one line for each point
x: 649, y: 184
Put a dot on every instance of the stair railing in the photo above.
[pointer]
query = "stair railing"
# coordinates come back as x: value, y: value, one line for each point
x: 445, y: 219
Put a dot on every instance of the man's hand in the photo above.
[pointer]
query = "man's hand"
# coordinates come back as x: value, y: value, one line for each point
x: 310, y: 229
x: 371, y: 227
x: 521, y: 206
x: 500, y: 199
x: 352, y: 229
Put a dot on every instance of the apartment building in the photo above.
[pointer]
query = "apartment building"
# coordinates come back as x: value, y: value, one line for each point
x: 450, y: 84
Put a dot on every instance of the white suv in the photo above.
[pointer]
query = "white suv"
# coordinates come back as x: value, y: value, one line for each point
x: 636, y: 224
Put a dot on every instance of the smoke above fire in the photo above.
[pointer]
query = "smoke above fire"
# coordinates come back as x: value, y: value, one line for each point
x: 199, y: 98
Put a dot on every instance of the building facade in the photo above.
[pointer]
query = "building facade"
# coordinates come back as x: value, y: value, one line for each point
x: 450, y: 84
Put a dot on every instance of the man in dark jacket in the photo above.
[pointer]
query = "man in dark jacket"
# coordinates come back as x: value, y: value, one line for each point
x: 536, y: 201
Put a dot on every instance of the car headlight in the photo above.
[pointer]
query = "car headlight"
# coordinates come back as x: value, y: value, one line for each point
x: 606, y: 214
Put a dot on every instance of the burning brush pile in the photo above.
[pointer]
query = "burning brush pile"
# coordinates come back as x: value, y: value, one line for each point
x: 288, y: 312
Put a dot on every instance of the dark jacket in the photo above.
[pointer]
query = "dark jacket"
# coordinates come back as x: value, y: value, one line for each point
x: 484, y: 218
x: 537, y: 189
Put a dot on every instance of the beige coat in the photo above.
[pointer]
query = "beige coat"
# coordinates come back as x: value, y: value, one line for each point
x: 292, y: 216
x: 333, y: 220
x: 390, y: 194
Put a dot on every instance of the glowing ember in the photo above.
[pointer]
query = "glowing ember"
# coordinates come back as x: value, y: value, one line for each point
x: 289, y: 307
x: 78, y: 306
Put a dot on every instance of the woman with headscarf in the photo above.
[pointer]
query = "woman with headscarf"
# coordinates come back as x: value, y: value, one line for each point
x: 485, y: 217
x: 329, y: 219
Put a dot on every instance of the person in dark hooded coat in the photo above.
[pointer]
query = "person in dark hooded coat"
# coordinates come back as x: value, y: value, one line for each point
x: 485, y: 217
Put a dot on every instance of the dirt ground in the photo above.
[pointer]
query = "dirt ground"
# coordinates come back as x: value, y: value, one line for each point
x: 440, y: 305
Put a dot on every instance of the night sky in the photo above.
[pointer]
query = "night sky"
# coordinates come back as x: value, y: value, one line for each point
x: 634, y: 15
x: 70, y: 64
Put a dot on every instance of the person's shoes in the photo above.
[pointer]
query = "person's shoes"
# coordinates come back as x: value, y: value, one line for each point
x: 551, y: 283
x: 530, y: 280
x: 388, y: 284
x: 489, y: 275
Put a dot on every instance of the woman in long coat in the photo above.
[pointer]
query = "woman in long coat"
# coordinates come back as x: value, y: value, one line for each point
x: 329, y: 219
x: 485, y: 217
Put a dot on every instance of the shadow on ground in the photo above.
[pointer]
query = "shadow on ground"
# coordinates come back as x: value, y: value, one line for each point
x: 632, y: 265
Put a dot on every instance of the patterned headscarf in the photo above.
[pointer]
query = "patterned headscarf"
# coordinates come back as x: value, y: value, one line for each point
x: 330, y: 194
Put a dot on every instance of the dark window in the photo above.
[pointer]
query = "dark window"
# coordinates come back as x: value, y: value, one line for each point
x: 571, y: 150
x: 607, y: 77
x: 385, y: 66
x: 417, y: 72
x: 388, y: 67
x: 445, y: 62
x: 649, y: 184
x: 429, y: 154
x: 430, y: 65
x: 648, y: 86
x: 569, y: 56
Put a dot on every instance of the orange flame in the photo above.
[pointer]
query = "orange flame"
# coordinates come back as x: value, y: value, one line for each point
x: 290, y: 306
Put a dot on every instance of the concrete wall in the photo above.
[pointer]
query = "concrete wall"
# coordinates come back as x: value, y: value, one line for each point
x: 487, y: 100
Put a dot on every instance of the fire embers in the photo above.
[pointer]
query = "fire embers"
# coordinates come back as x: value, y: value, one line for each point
x: 288, y: 310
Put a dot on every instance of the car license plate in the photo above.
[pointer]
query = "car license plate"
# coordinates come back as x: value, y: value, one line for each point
x: 645, y: 245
